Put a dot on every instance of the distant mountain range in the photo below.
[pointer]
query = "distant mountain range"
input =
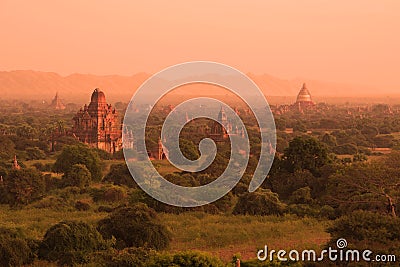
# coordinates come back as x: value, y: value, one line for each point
x: 28, y: 84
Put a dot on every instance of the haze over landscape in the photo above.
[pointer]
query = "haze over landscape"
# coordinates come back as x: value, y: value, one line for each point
x: 38, y: 85
x: 346, y: 48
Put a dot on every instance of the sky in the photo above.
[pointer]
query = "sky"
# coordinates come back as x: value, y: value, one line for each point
x: 354, y: 41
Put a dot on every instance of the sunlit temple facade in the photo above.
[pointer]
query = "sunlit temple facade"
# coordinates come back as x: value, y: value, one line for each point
x: 98, y: 124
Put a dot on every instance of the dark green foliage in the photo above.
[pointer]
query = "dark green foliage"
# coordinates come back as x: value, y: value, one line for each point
x: 370, y: 131
x: 102, y: 154
x: 109, y: 193
x: 186, y: 180
x: 119, y: 175
x: 275, y: 263
x: 52, y: 182
x: 305, y: 153
x: 78, y: 175
x: 79, y: 154
x: 365, y: 186
x: 346, y: 149
x: 7, y: 148
x: 105, y: 209
x: 65, y: 141
x: 225, y: 203
x: 329, y: 140
x: 52, y: 202
x: 34, y: 153
x: 138, y: 257
x: 144, y: 257
x: 189, y: 149
x: 379, y: 233
x: 82, y: 206
x: 383, y: 140
x: 69, y: 242
x: 24, y: 186
x: 221, y: 205
x: 14, y: 250
x: 218, y: 166
x: 135, y: 226
x: 360, y: 157
x: 260, y: 202
x: 301, y: 196
x: 48, y: 167
x: 285, y: 184
x: 187, y: 259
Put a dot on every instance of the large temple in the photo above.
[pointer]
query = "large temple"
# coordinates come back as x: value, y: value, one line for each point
x: 98, y: 124
x: 304, y: 100
x: 303, y: 103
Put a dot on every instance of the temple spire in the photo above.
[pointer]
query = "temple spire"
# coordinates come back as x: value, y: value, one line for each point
x: 15, y: 163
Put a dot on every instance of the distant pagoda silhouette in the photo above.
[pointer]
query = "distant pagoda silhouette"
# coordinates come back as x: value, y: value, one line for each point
x: 56, y: 103
x: 304, y: 100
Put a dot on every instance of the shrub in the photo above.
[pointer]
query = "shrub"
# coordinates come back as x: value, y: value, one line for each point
x: 52, y: 182
x: 51, y: 202
x: 109, y: 193
x: 105, y: 209
x: 367, y: 230
x: 135, y: 226
x: 301, y: 196
x: 79, y: 154
x: 14, y: 250
x: 34, y: 153
x: 82, y: 206
x: 328, y: 212
x: 187, y: 259
x: 78, y: 175
x: 24, y: 186
x: 138, y: 257
x: 119, y: 175
x: 303, y: 210
x: 69, y: 242
x: 261, y: 202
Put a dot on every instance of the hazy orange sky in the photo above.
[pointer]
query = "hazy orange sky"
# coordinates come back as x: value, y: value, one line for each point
x: 342, y: 41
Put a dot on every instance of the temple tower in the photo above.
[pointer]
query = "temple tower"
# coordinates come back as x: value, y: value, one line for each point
x: 56, y: 103
x: 98, y: 124
x: 304, y: 100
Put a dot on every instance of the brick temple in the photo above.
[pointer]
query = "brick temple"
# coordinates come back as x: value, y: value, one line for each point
x: 98, y: 124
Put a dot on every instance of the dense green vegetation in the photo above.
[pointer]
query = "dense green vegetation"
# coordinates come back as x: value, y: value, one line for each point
x: 72, y: 204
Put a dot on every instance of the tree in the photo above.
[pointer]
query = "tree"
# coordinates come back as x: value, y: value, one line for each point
x: 7, y: 148
x: 135, y: 226
x: 368, y: 230
x: 14, y: 250
x: 78, y: 175
x: 367, y: 186
x: 285, y: 184
x: 119, y: 175
x: 26, y: 131
x: 79, y: 154
x: 305, y: 153
x: 329, y: 139
x: 187, y: 148
x: 33, y: 153
x: 24, y: 186
x: 301, y: 196
x: 260, y: 202
x: 69, y: 242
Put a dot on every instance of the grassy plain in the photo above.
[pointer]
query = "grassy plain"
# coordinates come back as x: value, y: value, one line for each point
x: 221, y: 235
